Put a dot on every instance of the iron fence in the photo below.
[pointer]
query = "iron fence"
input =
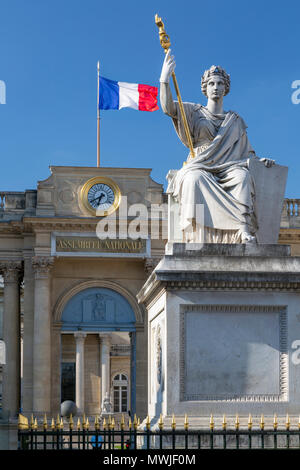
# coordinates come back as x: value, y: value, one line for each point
x: 134, y: 436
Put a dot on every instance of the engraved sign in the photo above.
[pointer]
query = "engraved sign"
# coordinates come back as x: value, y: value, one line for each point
x: 89, y: 245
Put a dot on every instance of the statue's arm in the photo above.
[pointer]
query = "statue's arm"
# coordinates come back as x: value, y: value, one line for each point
x: 166, y: 100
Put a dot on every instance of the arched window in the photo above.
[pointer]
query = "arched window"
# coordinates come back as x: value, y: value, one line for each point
x: 120, y: 387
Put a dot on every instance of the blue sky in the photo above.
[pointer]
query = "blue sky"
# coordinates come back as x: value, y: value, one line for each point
x: 48, y: 57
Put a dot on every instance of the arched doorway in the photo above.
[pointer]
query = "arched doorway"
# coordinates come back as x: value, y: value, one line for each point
x: 98, y: 327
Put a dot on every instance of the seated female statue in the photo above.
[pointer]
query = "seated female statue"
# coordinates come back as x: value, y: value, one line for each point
x: 218, y: 175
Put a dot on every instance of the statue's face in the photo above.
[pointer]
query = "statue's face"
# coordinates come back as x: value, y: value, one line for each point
x: 215, y: 87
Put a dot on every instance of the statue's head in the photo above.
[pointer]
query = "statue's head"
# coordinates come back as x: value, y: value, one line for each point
x: 215, y: 71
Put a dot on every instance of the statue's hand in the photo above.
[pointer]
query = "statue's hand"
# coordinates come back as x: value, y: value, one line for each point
x: 267, y: 161
x: 167, y: 68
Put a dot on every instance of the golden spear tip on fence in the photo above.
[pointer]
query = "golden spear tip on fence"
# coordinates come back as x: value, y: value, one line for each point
x: 78, y: 424
x: 52, y: 424
x: 262, y: 422
x: 31, y: 421
x: 104, y: 423
x: 96, y: 422
x: 173, y: 422
x: 45, y: 425
x: 35, y: 424
x: 224, y: 424
x: 61, y: 424
x: 250, y: 422
x: 71, y: 422
x: 160, y: 422
x: 275, y: 422
x: 148, y: 423
x: 87, y: 423
x: 135, y: 422
x: 288, y: 422
x: 211, y: 422
x: 186, y: 423
x: 237, y: 421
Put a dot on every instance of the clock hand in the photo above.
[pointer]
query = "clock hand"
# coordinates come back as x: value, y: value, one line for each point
x: 95, y: 199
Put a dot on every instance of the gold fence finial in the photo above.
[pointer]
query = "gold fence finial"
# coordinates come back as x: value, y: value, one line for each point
x: 135, y: 422
x: 237, y: 422
x: 250, y: 422
x: 148, y: 423
x: 31, y: 421
x: 224, y: 424
x: 161, y: 422
x: 105, y: 424
x: 83, y: 421
x: 45, y: 424
x: 138, y: 421
x: 96, y: 422
x: 52, y: 424
x: 186, y: 423
x: 211, y: 423
x: 61, y: 424
x: 78, y: 424
x: 22, y: 422
x: 275, y: 422
x: 113, y: 423
x: 173, y: 424
x: 122, y: 422
x: 129, y: 423
x: 87, y: 424
x: 35, y: 424
x: 288, y: 422
x: 299, y: 423
x: 71, y: 423
x: 57, y: 422
x: 262, y: 422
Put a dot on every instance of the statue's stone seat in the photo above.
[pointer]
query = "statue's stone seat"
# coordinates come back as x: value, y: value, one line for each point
x: 269, y: 196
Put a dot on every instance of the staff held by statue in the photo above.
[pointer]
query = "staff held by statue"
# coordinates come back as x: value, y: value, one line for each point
x: 165, y: 44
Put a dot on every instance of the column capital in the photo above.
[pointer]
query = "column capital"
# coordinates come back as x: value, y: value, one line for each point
x: 11, y: 270
x: 80, y: 336
x: 105, y: 338
x: 42, y: 266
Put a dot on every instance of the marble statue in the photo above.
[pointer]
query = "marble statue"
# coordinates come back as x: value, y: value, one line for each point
x: 218, y: 175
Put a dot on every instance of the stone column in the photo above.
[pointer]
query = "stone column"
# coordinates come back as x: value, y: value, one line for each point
x: 28, y: 321
x: 11, y: 335
x: 42, y: 336
x: 80, y: 337
x: 105, y: 366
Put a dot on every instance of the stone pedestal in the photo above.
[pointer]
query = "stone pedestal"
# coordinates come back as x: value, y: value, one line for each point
x: 224, y: 331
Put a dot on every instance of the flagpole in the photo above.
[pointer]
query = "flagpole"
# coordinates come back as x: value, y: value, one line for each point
x: 98, y: 114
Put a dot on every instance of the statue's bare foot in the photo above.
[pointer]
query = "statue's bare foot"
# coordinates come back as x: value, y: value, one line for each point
x: 247, y: 238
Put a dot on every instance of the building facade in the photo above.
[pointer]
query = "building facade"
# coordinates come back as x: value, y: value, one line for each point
x: 70, y: 319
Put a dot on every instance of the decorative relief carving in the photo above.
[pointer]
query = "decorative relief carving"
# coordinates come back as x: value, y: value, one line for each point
x: 158, y: 352
x: 283, y: 352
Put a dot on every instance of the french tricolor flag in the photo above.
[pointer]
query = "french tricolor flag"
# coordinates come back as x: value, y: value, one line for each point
x: 117, y: 95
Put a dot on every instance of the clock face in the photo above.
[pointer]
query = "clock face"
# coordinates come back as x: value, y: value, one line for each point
x: 101, y: 196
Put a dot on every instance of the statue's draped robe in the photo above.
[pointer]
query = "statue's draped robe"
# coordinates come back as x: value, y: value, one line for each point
x: 218, y: 175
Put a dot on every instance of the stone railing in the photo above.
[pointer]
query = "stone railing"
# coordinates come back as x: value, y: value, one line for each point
x: 291, y: 208
x: 17, y: 202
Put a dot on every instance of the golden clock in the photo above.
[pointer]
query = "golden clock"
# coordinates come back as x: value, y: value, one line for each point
x: 101, y: 196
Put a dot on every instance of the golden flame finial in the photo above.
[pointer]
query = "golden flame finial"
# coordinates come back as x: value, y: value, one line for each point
x: 164, y: 38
